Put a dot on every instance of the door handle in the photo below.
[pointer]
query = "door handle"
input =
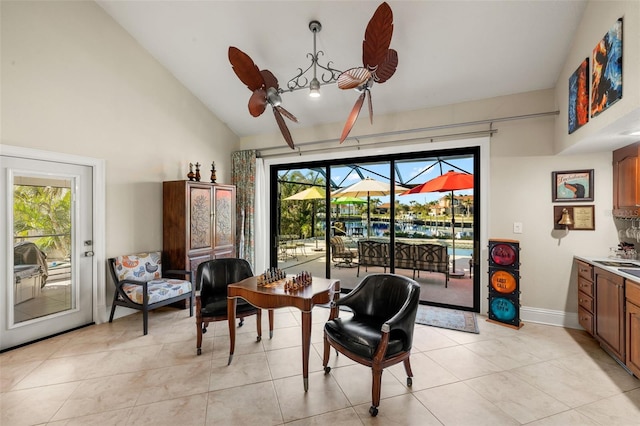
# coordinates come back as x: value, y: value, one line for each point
x: 88, y: 253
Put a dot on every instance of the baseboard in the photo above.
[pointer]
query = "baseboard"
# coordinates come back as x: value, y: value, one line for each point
x: 549, y: 317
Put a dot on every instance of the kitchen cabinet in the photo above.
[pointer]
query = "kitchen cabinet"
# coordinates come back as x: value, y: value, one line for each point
x: 586, y: 311
x: 198, y: 223
x: 609, y: 312
x: 626, y: 181
x: 632, y: 293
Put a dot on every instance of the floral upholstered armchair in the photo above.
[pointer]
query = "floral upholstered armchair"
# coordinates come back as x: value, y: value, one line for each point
x: 140, y: 284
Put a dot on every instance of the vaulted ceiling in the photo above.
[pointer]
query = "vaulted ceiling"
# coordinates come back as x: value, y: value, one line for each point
x: 449, y: 51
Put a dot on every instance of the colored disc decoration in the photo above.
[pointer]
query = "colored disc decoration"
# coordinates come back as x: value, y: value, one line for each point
x: 503, y: 282
x: 503, y: 309
x: 503, y: 254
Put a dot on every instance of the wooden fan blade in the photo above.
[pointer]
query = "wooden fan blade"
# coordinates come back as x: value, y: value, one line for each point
x: 370, y: 107
x: 245, y: 69
x: 287, y: 114
x: 283, y: 128
x: 353, y: 116
x: 270, y: 80
x: 352, y: 78
x: 377, y: 37
x: 257, y: 102
x: 387, y: 68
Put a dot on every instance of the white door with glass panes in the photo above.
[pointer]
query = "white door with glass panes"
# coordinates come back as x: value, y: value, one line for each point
x: 47, y: 248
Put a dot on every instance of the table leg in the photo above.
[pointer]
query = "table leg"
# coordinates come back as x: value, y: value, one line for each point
x: 270, y: 323
x: 306, y: 345
x: 231, y: 319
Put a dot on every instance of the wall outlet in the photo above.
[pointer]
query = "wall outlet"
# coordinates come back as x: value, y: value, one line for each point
x: 517, y: 227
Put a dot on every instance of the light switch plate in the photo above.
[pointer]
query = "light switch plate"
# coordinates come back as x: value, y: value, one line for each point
x: 517, y: 227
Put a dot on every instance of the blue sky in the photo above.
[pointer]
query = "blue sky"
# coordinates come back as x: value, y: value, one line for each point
x: 412, y: 172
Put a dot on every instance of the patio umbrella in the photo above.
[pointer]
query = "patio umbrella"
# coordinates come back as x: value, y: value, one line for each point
x: 313, y: 193
x: 348, y: 201
x: 367, y: 187
x: 450, y: 181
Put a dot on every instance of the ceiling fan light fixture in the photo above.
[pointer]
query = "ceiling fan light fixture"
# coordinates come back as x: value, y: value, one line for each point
x: 314, y: 88
x: 327, y: 73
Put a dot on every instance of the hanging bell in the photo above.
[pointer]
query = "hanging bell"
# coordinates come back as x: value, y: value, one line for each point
x: 565, y: 219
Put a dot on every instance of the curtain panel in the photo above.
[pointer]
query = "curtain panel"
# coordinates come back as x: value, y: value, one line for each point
x: 243, y: 175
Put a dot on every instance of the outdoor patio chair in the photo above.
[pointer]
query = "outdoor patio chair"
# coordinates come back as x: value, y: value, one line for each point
x: 340, y: 254
x: 433, y: 258
x: 404, y: 256
x: 372, y: 253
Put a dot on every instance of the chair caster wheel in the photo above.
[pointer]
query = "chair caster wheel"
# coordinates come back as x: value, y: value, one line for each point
x: 327, y: 369
x: 258, y: 338
x: 409, y: 381
x: 199, y: 351
x: 373, y: 411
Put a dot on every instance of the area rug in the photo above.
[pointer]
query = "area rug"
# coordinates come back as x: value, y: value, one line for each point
x: 447, y: 318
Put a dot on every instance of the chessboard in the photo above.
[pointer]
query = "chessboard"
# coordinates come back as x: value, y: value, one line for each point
x: 272, y: 278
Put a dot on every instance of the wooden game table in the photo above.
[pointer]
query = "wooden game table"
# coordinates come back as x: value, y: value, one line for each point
x: 272, y: 296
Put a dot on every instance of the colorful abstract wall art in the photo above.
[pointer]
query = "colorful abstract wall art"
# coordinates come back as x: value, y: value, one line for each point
x: 579, y: 97
x: 606, y: 84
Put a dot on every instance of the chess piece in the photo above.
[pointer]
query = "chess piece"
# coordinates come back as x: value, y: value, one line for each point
x: 197, y: 172
x: 190, y: 175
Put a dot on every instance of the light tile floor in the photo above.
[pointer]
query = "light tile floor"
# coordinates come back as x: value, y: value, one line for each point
x: 110, y: 374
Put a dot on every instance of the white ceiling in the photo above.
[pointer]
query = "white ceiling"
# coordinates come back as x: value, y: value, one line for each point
x: 449, y: 51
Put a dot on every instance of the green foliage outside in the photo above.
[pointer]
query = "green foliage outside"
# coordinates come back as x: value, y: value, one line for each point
x: 45, y: 211
x: 297, y: 216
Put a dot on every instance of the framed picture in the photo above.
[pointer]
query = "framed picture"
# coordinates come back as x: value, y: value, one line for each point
x: 582, y: 217
x: 579, y: 97
x: 606, y: 83
x: 572, y: 186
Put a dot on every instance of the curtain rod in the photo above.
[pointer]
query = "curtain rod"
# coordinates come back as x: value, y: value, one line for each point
x: 400, y: 132
x: 430, y: 139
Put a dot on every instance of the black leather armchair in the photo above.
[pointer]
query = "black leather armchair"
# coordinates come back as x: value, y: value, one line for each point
x: 212, y: 279
x: 380, y: 332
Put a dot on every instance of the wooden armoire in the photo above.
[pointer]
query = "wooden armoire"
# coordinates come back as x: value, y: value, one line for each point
x: 198, y: 222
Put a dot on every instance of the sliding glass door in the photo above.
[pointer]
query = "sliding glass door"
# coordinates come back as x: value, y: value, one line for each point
x: 346, y: 219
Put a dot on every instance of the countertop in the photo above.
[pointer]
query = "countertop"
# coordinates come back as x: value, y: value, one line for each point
x: 616, y: 270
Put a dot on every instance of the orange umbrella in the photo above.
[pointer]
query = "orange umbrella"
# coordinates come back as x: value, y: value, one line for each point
x: 450, y: 181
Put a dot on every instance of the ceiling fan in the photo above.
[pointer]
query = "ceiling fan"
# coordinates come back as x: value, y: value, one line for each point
x: 264, y: 86
x: 380, y: 63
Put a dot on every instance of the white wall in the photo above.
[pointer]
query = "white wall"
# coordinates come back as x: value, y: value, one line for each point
x: 73, y: 81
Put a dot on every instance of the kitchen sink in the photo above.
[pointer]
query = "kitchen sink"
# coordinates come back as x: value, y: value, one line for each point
x: 617, y: 264
x: 634, y: 272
